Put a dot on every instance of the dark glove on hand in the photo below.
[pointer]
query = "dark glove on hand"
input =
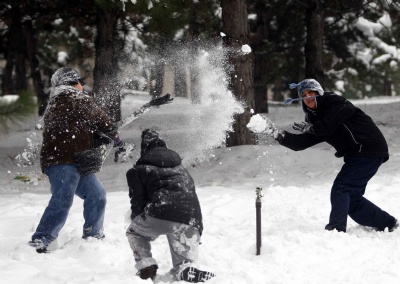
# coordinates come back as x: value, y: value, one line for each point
x: 119, y: 149
x: 302, y: 127
x: 89, y: 161
x: 278, y: 135
x: 122, y: 149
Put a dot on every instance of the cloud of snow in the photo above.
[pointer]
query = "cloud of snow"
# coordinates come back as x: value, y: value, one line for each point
x: 206, y: 106
x: 206, y: 121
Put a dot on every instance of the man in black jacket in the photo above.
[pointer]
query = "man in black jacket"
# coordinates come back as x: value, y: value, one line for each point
x: 333, y: 119
x: 164, y: 202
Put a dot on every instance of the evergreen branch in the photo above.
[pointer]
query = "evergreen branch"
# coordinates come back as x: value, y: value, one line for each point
x: 12, y: 113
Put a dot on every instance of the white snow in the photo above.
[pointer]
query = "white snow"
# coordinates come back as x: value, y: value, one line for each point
x: 246, y: 48
x: 8, y: 99
x: 257, y: 124
x: 295, y: 209
x: 62, y: 57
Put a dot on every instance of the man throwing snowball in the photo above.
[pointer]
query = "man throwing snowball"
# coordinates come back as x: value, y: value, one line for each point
x: 333, y: 119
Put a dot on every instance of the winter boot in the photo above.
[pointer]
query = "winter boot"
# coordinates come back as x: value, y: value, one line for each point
x: 39, y: 246
x: 193, y: 275
x: 394, y: 226
x: 148, y: 272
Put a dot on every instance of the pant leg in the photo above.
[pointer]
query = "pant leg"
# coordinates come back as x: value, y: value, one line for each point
x: 366, y: 213
x: 140, y: 233
x: 347, y: 194
x: 93, y: 193
x: 183, y: 241
x: 184, y: 246
x: 64, y: 180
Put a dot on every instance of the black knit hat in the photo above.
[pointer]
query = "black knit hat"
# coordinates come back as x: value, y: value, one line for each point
x: 65, y: 76
x: 150, y: 140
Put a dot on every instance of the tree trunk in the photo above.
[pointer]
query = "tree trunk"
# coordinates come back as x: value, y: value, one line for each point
x: 236, y: 28
x: 260, y: 62
x: 106, y: 86
x: 16, y: 55
x: 35, y: 68
x: 315, y: 40
x: 387, y: 86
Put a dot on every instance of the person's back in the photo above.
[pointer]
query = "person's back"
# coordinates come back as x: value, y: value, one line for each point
x: 168, y: 186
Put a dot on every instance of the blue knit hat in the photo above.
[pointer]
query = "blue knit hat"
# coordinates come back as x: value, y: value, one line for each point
x: 307, y: 84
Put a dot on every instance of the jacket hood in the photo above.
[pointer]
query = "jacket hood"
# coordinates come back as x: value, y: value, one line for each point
x: 160, y: 157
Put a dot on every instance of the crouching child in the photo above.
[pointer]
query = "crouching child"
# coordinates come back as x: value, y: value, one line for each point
x: 164, y: 202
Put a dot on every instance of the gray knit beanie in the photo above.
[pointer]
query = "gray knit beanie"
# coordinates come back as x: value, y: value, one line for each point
x: 65, y: 76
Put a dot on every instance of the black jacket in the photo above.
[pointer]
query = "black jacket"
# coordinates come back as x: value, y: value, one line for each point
x: 161, y: 186
x: 339, y: 123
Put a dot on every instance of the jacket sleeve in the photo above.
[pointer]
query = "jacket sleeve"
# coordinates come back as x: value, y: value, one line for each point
x: 298, y: 142
x: 338, y: 112
x: 100, y: 120
x: 137, y: 191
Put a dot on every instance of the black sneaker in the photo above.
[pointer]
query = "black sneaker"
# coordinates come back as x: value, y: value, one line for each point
x: 39, y: 245
x: 192, y: 274
x: 148, y: 272
x: 330, y: 227
x: 394, y: 226
x: 42, y: 250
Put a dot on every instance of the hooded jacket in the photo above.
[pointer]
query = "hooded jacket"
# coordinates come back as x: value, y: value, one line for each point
x: 69, y: 122
x: 161, y: 187
x: 339, y: 123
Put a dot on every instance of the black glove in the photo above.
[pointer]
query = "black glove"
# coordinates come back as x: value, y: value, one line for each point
x: 302, y: 127
x: 90, y: 161
x: 278, y: 135
x: 122, y: 149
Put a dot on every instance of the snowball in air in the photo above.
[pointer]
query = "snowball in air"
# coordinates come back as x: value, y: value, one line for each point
x: 246, y: 48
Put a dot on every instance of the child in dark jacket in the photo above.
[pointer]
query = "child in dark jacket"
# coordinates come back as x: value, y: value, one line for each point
x: 164, y: 202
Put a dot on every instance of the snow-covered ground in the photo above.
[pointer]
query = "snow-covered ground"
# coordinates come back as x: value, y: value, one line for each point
x: 295, y: 209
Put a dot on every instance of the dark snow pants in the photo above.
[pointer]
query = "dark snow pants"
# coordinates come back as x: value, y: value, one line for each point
x: 347, y: 196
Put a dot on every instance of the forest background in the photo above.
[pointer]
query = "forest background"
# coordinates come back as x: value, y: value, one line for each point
x: 127, y: 47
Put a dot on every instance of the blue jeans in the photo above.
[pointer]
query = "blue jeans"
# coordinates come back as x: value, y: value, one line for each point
x: 65, y: 182
x: 347, y: 196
